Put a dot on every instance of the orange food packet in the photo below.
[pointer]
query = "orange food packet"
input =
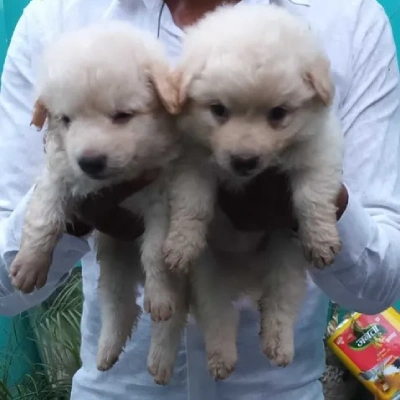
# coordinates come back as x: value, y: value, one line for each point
x: 369, y: 346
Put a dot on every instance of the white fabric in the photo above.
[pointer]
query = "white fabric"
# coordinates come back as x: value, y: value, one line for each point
x: 366, y: 275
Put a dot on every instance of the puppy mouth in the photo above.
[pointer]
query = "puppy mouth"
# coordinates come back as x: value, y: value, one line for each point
x: 244, y: 173
x: 98, y: 177
x: 108, y: 175
x: 103, y: 175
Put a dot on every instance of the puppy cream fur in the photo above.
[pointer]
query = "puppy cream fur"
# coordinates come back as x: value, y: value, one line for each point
x: 105, y: 91
x: 256, y: 93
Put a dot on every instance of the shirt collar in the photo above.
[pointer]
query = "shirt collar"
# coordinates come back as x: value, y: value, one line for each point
x: 300, y: 2
x: 151, y: 4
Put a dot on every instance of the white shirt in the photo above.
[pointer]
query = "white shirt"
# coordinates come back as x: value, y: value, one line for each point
x: 366, y: 274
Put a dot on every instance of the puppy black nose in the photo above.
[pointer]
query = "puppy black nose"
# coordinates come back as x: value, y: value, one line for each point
x: 244, y: 164
x: 93, y: 165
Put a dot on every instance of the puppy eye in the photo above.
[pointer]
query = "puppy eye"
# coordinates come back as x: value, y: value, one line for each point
x: 122, y: 117
x: 277, y: 114
x: 65, y: 120
x: 219, y: 111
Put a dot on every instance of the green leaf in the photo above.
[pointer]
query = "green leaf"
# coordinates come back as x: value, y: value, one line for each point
x: 55, y: 329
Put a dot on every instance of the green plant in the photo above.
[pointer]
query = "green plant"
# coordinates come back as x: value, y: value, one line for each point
x: 55, y: 329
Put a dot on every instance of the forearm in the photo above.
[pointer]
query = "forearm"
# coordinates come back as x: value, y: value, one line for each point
x: 366, y: 273
x: 365, y: 276
x: 68, y: 252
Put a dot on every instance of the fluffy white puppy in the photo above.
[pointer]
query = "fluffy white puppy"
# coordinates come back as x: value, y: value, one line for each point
x: 256, y: 92
x: 107, y: 95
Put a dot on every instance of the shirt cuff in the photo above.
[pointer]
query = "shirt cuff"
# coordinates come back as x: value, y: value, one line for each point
x: 356, y: 228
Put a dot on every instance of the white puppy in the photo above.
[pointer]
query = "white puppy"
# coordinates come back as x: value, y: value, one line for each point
x: 256, y: 93
x: 104, y: 91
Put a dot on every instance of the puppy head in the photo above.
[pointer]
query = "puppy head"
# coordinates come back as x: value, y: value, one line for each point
x: 108, y: 95
x: 253, y: 83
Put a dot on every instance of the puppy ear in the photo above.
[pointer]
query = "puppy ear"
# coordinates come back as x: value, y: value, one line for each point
x: 39, y: 115
x: 184, y: 79
x: 318, y: 77
x: 165, y: 83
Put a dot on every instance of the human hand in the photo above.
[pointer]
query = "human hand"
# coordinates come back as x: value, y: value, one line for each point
x: 102, y: 211
x: 266, y: 203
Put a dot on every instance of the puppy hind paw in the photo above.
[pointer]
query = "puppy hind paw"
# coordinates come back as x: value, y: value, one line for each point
x: 160, y: 366
x: 279, y: 349
x: 221, y: 366
x: 109, y: 353
x: 106, y: 359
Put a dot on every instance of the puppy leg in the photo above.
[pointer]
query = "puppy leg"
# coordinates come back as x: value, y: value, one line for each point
x: 120, y: 273
x: 314, y: 197
x: 161, y: 287
x: 284, y: 289
x: 191, y: 197
x: 44, y: 224
x: 218, y: 320
x: 165, y: 340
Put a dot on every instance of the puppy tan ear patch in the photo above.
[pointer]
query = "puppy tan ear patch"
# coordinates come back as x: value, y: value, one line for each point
x: 318, y: 77
x: 166, y: 85
x: 39, y: 116
x: 184, y: 80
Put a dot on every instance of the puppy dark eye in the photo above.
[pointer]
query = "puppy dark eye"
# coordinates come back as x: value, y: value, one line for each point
x: 122, y: 117
x: 277, y: 114
x: 65, y: 120
x: 219, y: 111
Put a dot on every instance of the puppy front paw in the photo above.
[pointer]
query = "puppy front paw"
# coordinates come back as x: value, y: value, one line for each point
x: 322, y: 255
x: 181, y: 250
x: 161, y: 305
x: 321, y: 246
x: 29, y: 271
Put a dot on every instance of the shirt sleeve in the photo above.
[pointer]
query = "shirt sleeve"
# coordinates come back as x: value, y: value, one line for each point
x: 366, y: 274
x: 21, y: 158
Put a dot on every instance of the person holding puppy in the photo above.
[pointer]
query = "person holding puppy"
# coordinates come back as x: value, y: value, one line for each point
x: 365, y: 275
